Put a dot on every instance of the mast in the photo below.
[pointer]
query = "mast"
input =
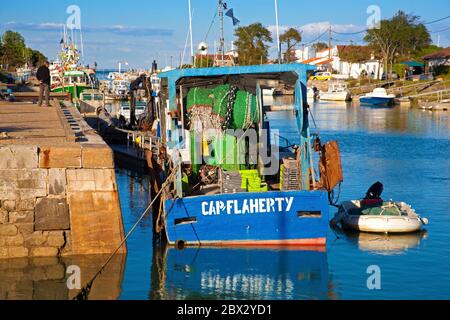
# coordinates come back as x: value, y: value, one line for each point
x: 278, y: 32
x: 222, y: 38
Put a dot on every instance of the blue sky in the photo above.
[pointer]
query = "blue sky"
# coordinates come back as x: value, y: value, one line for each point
x: 139, y: 31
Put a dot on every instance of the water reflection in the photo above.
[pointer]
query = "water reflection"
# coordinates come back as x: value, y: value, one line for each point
x: 399, y: 119
x: 219, y: 273
x: 386, y: 244
x: 45, y: 278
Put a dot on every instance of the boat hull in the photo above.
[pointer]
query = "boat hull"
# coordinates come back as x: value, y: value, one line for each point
x: 71, y: 89
x: 383, y: 224
x: 335, y: 96
x: 292, y: 218
x: 377, y: 101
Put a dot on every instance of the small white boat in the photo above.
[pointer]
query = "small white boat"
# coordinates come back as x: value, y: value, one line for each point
x: 378, y: 98
x: 140, y: 109
x: 385, y: 217
x: 268, y: 92
x: 337, y: 91
x: 120, y: 87
x: 372, y: 214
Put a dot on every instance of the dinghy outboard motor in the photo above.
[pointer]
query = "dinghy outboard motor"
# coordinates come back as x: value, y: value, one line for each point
x: 373, y: 195
x: 375, y: 191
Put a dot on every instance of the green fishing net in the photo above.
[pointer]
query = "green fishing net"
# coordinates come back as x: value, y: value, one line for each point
x: 199, y: 97
x: 221, y: 98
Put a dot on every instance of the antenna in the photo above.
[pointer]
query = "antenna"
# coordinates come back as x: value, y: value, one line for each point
x: 222, y: 38
x: 329, y: 47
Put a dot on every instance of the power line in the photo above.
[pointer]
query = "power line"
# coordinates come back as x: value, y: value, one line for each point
x: 365, y: 30
x: 350, y: 33
x: 312, y: 41
x: 437, y: 31
x: 437, y: 20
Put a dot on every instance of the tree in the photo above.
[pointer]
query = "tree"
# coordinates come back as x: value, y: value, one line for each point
x: 401, y: 36
x: 291, y: 37
x: 36, y: 58
x: 320, y: 46
x: 354, y: 54
x: 251, y: 44
x: 1, y: 53
x: 203, y: 61
x: 13, y: 48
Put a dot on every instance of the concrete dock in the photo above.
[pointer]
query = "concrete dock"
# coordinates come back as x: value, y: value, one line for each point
x: 58, y: 191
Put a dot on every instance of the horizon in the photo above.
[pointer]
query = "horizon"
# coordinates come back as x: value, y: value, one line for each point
x: 150, y: 30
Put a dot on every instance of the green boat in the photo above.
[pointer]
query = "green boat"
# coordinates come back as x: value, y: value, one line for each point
x: 67, y: 75
x: 75, y: 82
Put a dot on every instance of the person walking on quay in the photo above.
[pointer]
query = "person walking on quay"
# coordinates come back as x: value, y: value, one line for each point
x: 43, y: 75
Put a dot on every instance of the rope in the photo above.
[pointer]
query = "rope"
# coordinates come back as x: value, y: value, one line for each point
x: 84, y: 292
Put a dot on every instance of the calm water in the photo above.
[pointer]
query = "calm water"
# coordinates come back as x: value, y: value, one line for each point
x: 407, y: 150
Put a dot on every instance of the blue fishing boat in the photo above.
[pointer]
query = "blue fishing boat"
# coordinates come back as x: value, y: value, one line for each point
x: 378, y: 98
x: 228, y: 183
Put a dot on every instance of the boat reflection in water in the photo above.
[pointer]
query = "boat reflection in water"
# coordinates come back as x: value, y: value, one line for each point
x: 386, y: 244
x: 46, y: 278
x: 219, y: 273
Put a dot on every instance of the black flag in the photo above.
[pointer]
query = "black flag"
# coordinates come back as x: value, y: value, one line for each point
x: 230, y: 14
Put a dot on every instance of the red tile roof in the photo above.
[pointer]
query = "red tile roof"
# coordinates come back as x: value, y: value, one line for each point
x: 441, y: 54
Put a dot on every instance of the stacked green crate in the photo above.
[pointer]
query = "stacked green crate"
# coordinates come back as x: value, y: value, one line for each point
x: 281, y: 176
x: 253, y: 181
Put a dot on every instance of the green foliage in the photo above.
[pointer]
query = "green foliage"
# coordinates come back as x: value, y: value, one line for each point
x: 204, y: 61
x: 36, y: 58
x: 251, y: 44
x: 320, y: 46
x: 291, y: 37
x: 425, y: 51
x: 13, y: 48
x: 1, y: 50
x: 400, y: 37
x: 399, y: 69
x: 354, y: 54
x: 14, y: 53
x: 441, y: 70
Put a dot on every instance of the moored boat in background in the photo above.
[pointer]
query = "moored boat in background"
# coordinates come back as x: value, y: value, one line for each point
x: 378, y: 98
x: 337, y: 91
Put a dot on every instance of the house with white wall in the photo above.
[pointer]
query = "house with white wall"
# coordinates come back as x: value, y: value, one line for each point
x: 438, y: 58
x: 326, y: 58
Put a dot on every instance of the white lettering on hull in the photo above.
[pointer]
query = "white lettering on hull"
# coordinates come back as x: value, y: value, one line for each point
x: 247, y: 206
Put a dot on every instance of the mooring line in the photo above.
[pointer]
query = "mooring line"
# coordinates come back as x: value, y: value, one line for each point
x: 84, y: 292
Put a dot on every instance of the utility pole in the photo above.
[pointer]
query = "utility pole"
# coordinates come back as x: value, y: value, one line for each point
x: 329, y: 48
x: 278, y: 32
x: 222, y: 38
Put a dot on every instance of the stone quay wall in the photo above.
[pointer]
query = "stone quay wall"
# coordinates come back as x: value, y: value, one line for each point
x: 58, y: 201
